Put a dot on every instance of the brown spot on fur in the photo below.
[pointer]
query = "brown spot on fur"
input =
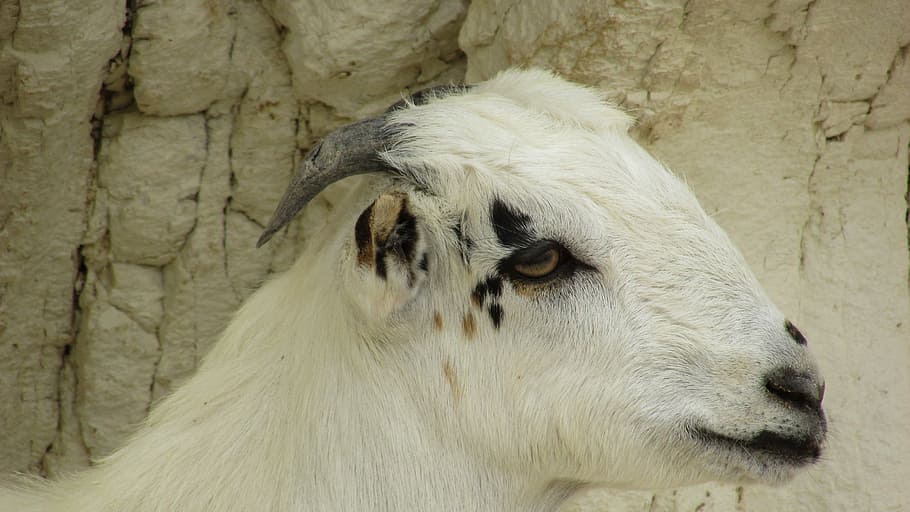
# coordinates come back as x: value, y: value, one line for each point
x: 437, y: 321
x: 449, y: 373
x: 531, y: 291
x: 469, y: 326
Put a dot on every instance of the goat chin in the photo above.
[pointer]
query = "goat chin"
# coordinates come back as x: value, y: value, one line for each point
x: 524, y: 304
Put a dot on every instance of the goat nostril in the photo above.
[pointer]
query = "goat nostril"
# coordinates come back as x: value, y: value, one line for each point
x: 794, y: 333
x: 795, y: 388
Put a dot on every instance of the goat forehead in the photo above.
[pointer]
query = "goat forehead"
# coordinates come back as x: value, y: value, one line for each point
x: 542, y: 92
x: 629, y: 195
x: 462, y: 148
x: 543, y: 145
x: 511, y: 113
x: 610, y: 169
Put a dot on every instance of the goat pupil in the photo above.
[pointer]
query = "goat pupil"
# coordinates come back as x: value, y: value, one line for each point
x: 536, y: 262
x: 539, y: 265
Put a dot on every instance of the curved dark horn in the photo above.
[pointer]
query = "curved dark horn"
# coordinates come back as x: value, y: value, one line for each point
x: 349, y: 150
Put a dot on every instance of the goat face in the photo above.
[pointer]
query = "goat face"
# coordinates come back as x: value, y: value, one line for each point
x: 558, y: 303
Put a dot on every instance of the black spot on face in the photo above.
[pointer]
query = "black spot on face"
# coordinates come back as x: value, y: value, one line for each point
x: 491, y: 287
x: 479, y: 295
x: 494, y: 287
x: 424, y: 263
x: 795, y: 334
x: 495, y: 311
x: 511, y: 226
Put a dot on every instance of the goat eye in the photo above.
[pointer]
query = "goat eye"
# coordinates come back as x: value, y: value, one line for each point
x: 539, y: 261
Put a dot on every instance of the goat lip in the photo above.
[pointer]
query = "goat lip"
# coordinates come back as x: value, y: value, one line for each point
x: 794, y: 451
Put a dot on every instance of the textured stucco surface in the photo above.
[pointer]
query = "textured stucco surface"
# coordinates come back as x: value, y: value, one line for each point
x: 144, y: 144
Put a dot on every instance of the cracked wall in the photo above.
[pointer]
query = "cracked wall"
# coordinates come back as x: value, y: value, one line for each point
x: 137, y: 173
x: 144, y: 144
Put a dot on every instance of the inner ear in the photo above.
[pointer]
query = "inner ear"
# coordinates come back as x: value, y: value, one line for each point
x: 391, y: 251
x: 387, y: 230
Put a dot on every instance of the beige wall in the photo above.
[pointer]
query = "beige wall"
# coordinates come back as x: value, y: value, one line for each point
x: 128, y: 216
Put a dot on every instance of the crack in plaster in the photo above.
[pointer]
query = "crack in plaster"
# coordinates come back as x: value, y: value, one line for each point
x: 652, y: 506
x: 132, y: 9
x: 822, y: 142
x: 247, y: 217
x: 154, y: 376
x: 183, y: 244
x: 191, y: 270
x: 232, y: 180
x: 125, y: 53
x: 646, y: 69
x: 685, y: 15
x: 492, y: 39
x: 802, y: 34
x: 227, y: 204
x: 815, y: 209
x: 901, y: 51
x: 12, y: 33
x: 81, y: 268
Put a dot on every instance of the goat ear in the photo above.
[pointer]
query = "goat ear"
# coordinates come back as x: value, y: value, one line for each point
x: 391, y: 258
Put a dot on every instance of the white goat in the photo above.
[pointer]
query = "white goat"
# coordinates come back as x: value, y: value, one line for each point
x: 528, y: 305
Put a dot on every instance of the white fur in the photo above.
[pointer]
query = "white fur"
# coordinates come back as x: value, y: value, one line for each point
x: 333, y: 389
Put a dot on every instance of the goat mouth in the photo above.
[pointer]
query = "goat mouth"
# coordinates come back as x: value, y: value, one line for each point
x: 793, y: 451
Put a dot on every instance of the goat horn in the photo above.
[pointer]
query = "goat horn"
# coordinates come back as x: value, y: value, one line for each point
x: 350, y: 150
